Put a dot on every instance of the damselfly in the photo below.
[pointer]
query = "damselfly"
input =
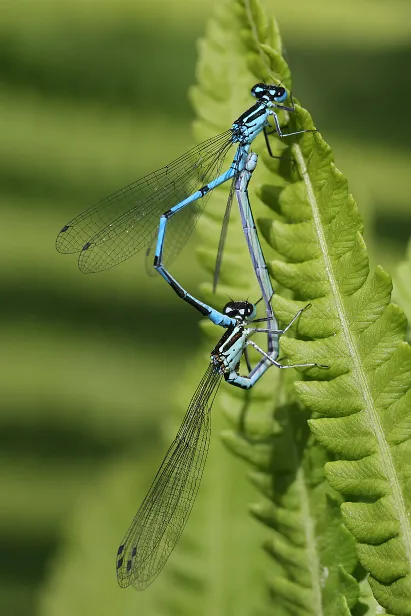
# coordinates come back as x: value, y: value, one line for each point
x: 130, y: 219
x: 164, y: 512
x: 256, y: 253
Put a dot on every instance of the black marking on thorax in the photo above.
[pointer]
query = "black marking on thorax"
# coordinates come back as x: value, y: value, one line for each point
x: 224, y: 337
x: 251, y: 114
x: 235, y: 338
x: 220, y: 348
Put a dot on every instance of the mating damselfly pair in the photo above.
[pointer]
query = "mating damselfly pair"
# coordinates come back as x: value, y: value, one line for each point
x: 164, y: 207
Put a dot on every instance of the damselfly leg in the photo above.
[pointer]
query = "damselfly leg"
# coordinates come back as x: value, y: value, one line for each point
x: 161, y: 518
x: 114, y: 229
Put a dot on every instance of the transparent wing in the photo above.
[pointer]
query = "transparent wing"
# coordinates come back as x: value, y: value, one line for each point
x: 114, y: 229
x: 182, y: 224
x: 223, y: 235
x: 164, y: 512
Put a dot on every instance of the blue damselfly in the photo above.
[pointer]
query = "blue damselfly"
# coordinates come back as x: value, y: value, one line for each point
x: 164, y: 512
x: 130, y: 219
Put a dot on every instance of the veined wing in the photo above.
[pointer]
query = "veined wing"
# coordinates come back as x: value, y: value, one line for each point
x: 117, y: 227
x: 164, y: 512
x: 223, y: 235
x: 127, y: 235
x: 180, y: 226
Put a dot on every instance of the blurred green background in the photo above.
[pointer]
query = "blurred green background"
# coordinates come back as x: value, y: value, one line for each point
x: 94, y: 94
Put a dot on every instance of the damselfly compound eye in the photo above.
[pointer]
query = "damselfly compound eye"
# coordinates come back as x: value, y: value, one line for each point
x: 280, y: 94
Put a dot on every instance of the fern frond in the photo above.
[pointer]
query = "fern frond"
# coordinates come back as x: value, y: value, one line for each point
x: 312, y: 553
x: 363, y: 401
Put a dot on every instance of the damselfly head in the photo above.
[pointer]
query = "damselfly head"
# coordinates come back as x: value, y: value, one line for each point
x: 243, y: 311
x: 269, y: 93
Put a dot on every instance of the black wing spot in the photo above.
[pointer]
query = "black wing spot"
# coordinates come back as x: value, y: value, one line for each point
x: 120, y: 563
x: 120, y: 549
x: 134, y: 552
x: 86, y: 246
x: 128, y: 565
x: 64, y: 229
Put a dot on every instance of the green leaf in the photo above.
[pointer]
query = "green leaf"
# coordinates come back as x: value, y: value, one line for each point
x: 312, y: 553
x: 363, y: 400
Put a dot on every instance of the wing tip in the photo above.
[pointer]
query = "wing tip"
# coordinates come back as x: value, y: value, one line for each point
x: 128, y: 575
x: 61, y: 241
x: 86, y: 263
